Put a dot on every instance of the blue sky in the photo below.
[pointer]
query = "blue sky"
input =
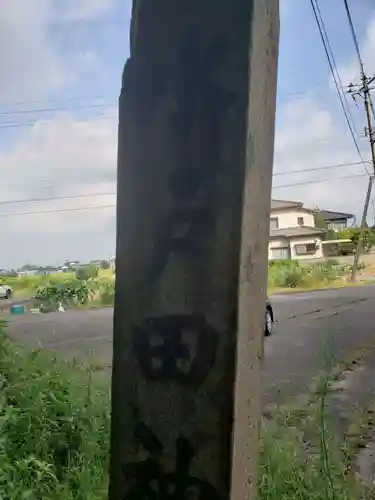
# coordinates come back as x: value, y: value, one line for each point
x: 67, y: 57
x: 302, y: 64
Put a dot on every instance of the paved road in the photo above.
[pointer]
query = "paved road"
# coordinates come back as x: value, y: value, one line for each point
x: 306, y: 324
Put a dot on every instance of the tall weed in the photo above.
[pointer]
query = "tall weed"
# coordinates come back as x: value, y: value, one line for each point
x: 54, y: 429
x: 290, y: 274
x: 54, y: 438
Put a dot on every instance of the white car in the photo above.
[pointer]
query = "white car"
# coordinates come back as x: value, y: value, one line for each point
x: 6, y: 292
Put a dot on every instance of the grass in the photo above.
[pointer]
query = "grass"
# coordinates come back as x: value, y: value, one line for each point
x: 26, y: 286
x: 283, y: 276
x: 291, y: 276
x: 54, y: 425
x: 48, y: 291
x: 54, y: 420
x: 318, y: 285
x: 290, y: 471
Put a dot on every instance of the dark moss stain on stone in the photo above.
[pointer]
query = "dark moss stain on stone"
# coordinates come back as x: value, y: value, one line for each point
x: 181, y: 348
x: 147, y: 479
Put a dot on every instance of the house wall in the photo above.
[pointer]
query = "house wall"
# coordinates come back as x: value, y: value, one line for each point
x: 289, y: 218
x: 337, y: 225
x: 291, y: 242
x: 277, y: 243
x: 318, y: 254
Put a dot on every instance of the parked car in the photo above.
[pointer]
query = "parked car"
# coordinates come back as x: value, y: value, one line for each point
x: 269, y: 319
x: 6, y: 292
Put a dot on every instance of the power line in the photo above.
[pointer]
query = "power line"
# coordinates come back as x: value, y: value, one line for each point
x: 332, y: 66
x: 31, y: 123
x: 74, y: 209
x: 317, y: 141
x: 48, y: 110
x: 354, y: 36
x: 314, y: 169
x: 47, y: 184
x: 372, y: 108
x: 55, y: 100
x: 329, y: 46
x: 369, y: 109
x: 55, y: 198
x: 320, y: 180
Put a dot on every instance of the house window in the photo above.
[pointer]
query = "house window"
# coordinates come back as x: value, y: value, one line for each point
x: 280, y: 253
x: 305, y: 248
x: 300, y: 221
x: 274, y: 223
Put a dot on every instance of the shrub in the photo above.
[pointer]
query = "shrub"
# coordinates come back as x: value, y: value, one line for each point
x: 333, y: 262
x: 289, y: 274
x: 85, y: 273
x: 353, y: 234
x: 107, y: 293
x: 289, y: 263
x: 54, y: 428
x: 286, y: 274
x: 68, y: 293
x: 293, y: 278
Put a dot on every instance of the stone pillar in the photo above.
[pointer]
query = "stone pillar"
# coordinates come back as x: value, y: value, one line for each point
x: 195, y: 145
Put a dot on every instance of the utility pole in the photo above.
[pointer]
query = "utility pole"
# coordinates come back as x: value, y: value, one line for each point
x: 364, y: 92
x: 195, y: 157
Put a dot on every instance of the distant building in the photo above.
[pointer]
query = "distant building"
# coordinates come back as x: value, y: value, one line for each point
x: 27, y: 272
x: 336, y: 221
x: 293, y: 234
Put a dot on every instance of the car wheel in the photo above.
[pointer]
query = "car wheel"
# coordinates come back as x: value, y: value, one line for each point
x: 8, y: 294
x: 268, y: 323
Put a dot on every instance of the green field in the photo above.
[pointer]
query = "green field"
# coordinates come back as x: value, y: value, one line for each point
x: 283, y: 275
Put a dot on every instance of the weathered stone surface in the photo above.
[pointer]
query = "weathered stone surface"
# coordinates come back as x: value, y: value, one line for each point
x: 185, y: 154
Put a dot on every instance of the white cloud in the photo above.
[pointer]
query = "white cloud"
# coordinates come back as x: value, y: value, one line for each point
x: 63, y: 150
x: 60, y: 158
x: 66, y: 157
x: 350, y: 72
x: 310, y: 135
x: 78, y: 10
x: 32, y: 65
x: 307, y: 138
x: 29, y: 65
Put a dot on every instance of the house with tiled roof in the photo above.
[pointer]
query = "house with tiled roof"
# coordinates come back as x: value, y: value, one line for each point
x: 293, y: 234
x: 336, y: 221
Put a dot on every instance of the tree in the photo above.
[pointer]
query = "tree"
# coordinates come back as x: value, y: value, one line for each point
x: 319, y: 220
x: 331, y: 235
x: 352, y: 233
x: 84, y: 273
x: 105, y: 264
